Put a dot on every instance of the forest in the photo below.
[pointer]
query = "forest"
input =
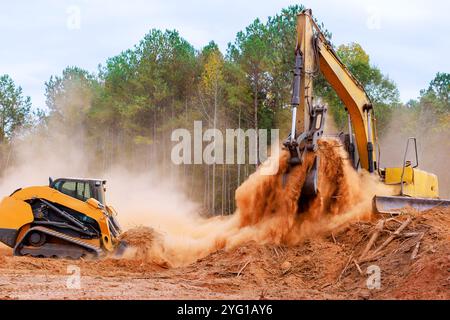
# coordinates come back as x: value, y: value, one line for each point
x: 124, y: 113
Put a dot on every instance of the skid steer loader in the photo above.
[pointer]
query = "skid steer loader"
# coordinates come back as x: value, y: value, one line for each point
x: 67, y: 219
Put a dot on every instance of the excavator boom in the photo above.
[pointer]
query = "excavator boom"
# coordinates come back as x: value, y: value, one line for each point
x: 318, y: 55
x: 314, y: 54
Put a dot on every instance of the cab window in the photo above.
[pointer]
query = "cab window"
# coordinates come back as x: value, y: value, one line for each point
x: 68, y: 187
x: 77, y: 190
x: 83, y: 191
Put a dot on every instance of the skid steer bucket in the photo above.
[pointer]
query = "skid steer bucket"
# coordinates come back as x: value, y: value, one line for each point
x: 394, y: 204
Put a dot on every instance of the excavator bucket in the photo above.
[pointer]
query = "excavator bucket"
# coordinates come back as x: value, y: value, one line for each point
x: 394, y: 204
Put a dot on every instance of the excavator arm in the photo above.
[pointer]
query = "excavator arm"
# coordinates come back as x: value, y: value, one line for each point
x: 317, y: 55
x: 314, y: 54
x: 355, y: 99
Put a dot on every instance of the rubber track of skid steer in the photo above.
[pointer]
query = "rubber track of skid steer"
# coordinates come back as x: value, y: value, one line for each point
x: 94, y: 249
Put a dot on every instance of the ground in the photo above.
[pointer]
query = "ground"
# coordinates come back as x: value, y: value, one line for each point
x: 329, y: 267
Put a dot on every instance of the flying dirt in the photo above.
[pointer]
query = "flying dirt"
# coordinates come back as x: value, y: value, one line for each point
x: 267, y: 212
x: 261, y: 252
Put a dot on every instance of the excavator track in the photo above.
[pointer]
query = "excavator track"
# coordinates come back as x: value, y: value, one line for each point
x: 74, y: 249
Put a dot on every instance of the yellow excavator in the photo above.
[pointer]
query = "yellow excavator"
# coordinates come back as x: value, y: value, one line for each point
x: 66, y: 219
x: 313, y: 54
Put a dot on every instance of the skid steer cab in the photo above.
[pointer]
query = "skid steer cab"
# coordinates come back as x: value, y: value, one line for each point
x: 69, y: 218
x: 82, y: 189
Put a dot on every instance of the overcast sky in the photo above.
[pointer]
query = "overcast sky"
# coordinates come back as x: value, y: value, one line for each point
x: 408, y: 40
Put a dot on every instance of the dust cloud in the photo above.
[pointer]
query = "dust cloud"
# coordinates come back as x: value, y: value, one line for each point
x: 164, y: 226
x: 36, y: 159
x: 55, y: 149
x: 268, y: 212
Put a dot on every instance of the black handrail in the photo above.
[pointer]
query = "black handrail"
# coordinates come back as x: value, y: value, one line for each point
x: 404, y: 160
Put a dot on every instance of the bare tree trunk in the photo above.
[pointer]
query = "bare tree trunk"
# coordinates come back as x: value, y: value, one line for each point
x: 112, y: 149
x: 223, y: 189
x: 154, y: 138
x: 191, y: 189
x: 171, y: 167
x: 230, y: 198
x: 238, y: 164
x: 206, y: 190
x: 8, y: 157
x: 255, y: 104
x: 214, y: 163
x: 105, y: 148
x: 186, y: 123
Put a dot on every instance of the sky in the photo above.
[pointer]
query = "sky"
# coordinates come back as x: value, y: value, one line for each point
x: 407, y: 40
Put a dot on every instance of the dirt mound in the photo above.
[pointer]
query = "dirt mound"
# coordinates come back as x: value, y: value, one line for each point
x: 141, y: 239
x: 144, y: 245
x: 411, y: 252
x: 328, y: 266
x: 270, y: 248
